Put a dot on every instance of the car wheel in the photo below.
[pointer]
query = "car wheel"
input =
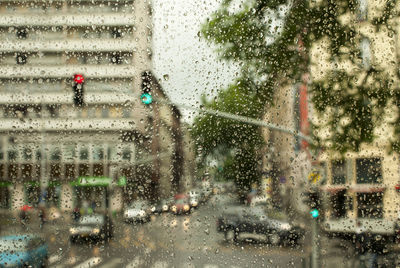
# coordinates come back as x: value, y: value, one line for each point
x: 229, y: 235
x: 274, y: 239
x: 45, y: 262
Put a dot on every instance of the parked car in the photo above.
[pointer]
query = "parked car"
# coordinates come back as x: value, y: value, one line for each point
x: 181, y: 204
x: 194, y: 198
x: 138, y: 211
x: 92, y: 227
x: 259, y: 220
x: 161, y: 206
x: 23, y: 251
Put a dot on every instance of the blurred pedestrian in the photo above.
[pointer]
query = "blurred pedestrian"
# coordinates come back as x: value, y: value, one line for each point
x: 76, y: 214
x: 42, y: 216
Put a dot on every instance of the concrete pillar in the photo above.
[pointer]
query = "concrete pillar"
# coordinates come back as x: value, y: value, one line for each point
x: 17, y: 197
x: 66, y: 198
x: 116, y: 199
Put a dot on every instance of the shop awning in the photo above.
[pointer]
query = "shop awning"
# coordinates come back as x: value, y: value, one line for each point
x: 334, y: 189
x: 97, y: 181
x: 5, y: 183
x: 92, y: 181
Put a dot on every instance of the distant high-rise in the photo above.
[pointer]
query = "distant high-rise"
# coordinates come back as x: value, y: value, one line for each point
x: 49, y: 145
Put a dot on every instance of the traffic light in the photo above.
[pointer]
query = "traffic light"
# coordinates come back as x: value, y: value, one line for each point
x: 314, y: 202
x: 78, y: 90
x: 146, y: 97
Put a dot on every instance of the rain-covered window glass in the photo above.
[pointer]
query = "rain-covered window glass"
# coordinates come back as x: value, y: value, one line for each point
x: 365, y: 52
x: 370, y: 205
x: 369, y: 170
x: 126, y: 154
x: 363, y: 9
x: 5, y: 195
x: 84, y: 154
x: 338, y: 172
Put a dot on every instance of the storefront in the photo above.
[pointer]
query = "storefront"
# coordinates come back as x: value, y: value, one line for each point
x: 5, y: 194
x: 97, y: 193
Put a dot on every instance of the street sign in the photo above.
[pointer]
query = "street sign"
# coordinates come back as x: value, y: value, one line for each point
x: 314, y: 177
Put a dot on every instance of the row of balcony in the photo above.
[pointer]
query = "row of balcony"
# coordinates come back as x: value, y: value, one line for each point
x: 75, y: 20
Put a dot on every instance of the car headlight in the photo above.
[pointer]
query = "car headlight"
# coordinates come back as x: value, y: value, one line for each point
x: 96, y: 231
x: 285, y: 226
x: 173, y: 208
x: 186, y: 207
x: 73, y: 230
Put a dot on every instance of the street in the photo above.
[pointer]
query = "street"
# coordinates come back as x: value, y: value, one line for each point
x: 169, y: 241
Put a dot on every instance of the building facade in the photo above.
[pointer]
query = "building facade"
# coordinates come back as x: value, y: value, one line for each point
x: 357, y: 185
x: 51, y: 149
x: 360, y: 186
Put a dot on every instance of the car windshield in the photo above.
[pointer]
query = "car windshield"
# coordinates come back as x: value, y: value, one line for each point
x: 8, y: 245
x: 208, y: 133
x: 92, y: 219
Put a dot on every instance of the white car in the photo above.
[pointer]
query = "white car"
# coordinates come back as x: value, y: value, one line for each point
x: 138, y: 211
x: 194, y: 198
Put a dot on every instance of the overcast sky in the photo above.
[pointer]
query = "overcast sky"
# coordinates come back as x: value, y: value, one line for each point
x: 187, y: 65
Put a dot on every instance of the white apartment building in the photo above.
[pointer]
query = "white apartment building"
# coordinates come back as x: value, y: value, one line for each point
x: 49, y: 148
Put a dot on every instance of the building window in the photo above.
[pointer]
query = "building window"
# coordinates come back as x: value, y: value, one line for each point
x: 22, y: 33
x: 4, y: 196
x: 116, y: 33
x: 116, y: 58
x: 362, y: 9
x: 369, y: 170
x: 365, y: 49
x: 338, y: 202
x: 338, y: 172
x: 84, y: 154
x: 370, y: 205
x: 126, y: 154
x: 32, y: 192
x: 12, y: 155
x: 98, y: 154
x: 21, y: 58
x: 56, y: 155
x: 27, y: 154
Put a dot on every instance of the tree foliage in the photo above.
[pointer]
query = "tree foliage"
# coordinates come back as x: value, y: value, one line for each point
x: 273, y: 53
x: 236, y: 141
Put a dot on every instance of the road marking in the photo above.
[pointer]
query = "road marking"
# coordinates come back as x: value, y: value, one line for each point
x: 54, y: 258
x: 210, y: 266
x: 160, y: 264
x: 116, y: 262
x: 70, y: 261
x: 137, y: 262
x: 90, y: 263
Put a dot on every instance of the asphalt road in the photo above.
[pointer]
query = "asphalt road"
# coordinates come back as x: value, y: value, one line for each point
x: 181, y: 241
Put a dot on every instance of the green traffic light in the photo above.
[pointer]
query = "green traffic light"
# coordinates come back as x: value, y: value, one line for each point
x: 314, y: 213
x: 146, y: 98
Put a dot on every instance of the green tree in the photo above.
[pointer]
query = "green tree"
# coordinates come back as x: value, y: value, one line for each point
x: 233, y: 141
x: 271, y: 54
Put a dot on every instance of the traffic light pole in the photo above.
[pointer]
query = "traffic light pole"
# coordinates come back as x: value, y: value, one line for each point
x: 314, y: 244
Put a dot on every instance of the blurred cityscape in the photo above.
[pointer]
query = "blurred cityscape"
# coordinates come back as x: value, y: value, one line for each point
x: 92, y: 148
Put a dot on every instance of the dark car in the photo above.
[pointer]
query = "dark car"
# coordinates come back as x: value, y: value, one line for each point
x: 274, y: 225
x: 23, y: 251
x: 92, y: 227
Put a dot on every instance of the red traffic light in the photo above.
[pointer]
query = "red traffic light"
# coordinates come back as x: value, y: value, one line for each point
x: 78, y: 78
